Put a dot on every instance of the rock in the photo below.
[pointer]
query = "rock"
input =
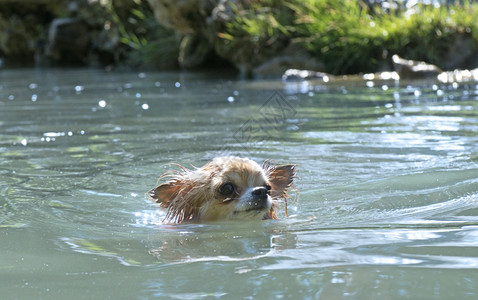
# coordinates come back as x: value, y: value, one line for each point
x: 22, y: 25
x: 411, y: 69
x: 385, y: 76
x: 293, y: 57
x: 106, y: 46
x: 461, y: 53
x: 459, y: 76
x: 298, y: 75
x: 185, y: 16
x: 207, y: 20
x: 68, y: 41
x: 193, y: 51
x: 16, y: 44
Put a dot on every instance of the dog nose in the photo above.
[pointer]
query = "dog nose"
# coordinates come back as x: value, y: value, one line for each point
x: 260, y: 192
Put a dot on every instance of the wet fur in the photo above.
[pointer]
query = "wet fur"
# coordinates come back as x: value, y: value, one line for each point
x: 192, y: 195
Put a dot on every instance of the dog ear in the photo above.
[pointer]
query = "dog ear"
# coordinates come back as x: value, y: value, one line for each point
x: 176, y: 196
x: 165, y: 192
x: 281, y: 178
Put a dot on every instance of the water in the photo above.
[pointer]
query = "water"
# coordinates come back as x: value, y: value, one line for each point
x: 387, y: 189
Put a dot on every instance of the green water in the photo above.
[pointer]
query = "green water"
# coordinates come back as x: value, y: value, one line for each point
x: 387, y: 189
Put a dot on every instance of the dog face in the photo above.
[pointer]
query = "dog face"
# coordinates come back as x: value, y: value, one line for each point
x: 225, y: 188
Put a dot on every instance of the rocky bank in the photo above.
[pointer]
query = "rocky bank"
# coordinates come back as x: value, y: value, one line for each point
x: 89, y: 32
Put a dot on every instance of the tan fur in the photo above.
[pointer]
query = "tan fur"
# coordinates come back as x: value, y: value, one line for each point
x: 194, y: 195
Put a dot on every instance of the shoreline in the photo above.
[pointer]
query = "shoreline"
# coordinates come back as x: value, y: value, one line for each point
x: 261, y: 39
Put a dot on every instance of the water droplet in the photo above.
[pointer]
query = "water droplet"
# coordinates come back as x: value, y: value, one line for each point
x: 417, y: 93
x: 145, y: 106
x: 384, y: 87
x: 34, y: 98
x: 157, y: 84
x: 79, y: 89
x: 142, y: 75
x: 230, y: 99
x: 138, y: 95
x: 11, y: 97
x: 32, y: 86
x: 370, y: 84
x: 24, y: 142
x: 235, y: 93
x: 177, y: 84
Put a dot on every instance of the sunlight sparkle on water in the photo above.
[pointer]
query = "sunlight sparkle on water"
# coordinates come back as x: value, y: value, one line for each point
x: 79, y: 89
x: 54, y: 134
x: 149, y: 217
x: 102, y: 103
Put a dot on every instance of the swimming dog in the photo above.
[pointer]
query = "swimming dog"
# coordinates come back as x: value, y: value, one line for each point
x: 226, y: 188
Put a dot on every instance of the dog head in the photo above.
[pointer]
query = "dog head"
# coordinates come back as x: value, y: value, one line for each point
x: 225, y: 188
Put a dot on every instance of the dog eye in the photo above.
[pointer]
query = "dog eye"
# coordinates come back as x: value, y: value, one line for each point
x: 226, y: 189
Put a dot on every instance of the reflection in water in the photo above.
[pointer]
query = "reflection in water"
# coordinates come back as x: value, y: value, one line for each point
x: 220, y: 242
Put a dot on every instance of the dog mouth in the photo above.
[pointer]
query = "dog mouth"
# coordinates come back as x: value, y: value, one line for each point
x: 257, y: 207
x: 253, y: 207
x: 255, y: 210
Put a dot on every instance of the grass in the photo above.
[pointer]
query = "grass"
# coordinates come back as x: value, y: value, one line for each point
x: 350, y: 37
x: 346, y: 36
x: 147, y: 44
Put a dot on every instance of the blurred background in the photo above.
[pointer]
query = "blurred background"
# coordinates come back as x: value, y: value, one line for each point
x: 260, y: 38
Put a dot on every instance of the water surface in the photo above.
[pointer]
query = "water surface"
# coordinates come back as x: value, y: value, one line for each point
x: 387, y: 189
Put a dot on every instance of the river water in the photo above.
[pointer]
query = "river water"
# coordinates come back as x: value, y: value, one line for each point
x: 386, y: 202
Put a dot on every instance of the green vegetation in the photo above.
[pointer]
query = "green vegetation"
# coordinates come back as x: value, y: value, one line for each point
x: 149, y: 44
x: 349, y: 36
x: 345, y: 36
